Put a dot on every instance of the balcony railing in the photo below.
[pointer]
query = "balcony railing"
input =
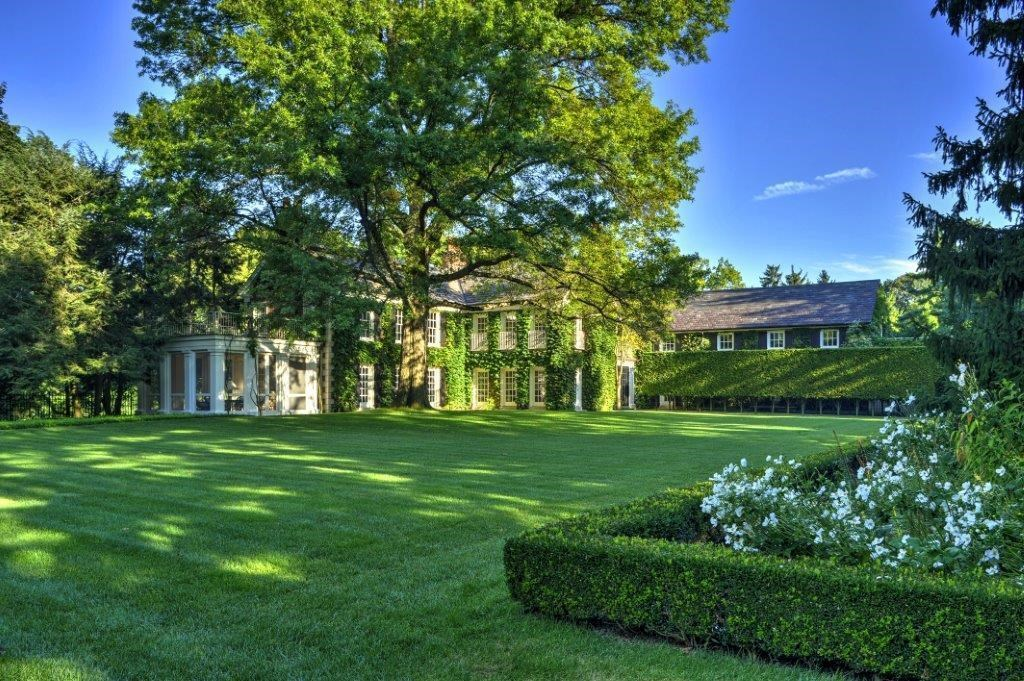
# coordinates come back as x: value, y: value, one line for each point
x: 478, y: 341
x: 538, y: 339
x: 224, y: 324
x: 507, y: 340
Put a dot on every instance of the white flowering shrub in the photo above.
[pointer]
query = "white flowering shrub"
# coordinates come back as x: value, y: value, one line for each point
x: 929, y: 493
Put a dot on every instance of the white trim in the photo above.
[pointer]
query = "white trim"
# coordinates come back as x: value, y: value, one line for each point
x: 433, y: 329
x: 731, y: 338
x: 434, y: 392
x: 478, y: 399
x: 367, y: 320
x: 508, y: 385
x: 821, y: 339
x: 506, y: 336
x: 399, y: 322
x: 478, y: 333
x: 768, y: 340
x: 667, y: 345
x: 365, y: 386
x: 542, y: 385
x: 537, y: 336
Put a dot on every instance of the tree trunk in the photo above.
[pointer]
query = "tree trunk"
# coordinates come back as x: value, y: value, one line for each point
x: 413, y: 372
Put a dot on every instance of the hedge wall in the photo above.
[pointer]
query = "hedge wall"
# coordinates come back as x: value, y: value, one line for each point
x: 643, y: 566
x: 862, y: 373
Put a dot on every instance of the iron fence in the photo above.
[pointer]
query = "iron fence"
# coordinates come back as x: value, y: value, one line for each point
x: 67, y: 403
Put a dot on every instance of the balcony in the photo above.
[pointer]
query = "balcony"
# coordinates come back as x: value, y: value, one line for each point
x: 478, y: 341
x: 507, y: 340
x: 538, y: 339
x: 224, y: 324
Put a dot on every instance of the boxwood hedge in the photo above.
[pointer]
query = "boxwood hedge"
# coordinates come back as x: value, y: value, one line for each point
x: 645, y: 566
x: 843, y: 373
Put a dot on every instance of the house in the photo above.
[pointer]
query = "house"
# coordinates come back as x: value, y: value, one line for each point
x: 486, y: 349
x: 773, y: 318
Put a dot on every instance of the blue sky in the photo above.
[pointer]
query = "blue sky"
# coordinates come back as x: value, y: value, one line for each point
x: 814, y: 117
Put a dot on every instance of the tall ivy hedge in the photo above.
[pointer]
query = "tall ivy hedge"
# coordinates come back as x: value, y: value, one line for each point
x: 859, y: 373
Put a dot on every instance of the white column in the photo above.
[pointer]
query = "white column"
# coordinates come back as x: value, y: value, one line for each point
x: 165, y: 383
x: 283, y: 388
x: 578, y: 385
x: 217, y: 382
x: 632, y: 393
x: 312, y: 384
x: 190, y: 381
x: 250, y: 383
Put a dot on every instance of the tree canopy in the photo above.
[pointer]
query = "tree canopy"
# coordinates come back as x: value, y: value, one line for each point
x: 498, y: 140
x: 723, y: 275
x: 772, y: 276
x: 980, y: 264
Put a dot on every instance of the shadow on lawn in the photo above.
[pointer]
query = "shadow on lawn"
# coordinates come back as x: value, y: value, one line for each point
x: 170, y: 525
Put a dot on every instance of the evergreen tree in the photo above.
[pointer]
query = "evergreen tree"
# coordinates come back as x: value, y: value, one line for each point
x: 53, y: 300
x: 500, y: 141
x: 795, y: 277
x: 772, y: 276
x: 824, y: 277
x: 981, y: 264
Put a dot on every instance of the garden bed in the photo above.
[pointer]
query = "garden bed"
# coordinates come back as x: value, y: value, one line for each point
x: 650, y: 566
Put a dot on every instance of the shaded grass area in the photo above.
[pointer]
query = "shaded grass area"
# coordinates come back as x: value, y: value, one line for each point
x: 343, y: 546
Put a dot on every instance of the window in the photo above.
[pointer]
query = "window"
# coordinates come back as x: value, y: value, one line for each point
x: 297, y: 383
x: 478, y: 338
x: 398, y: 380
x: 434, y: 329
x: 508, y: 387
x: 481, y: 387
x: 507, y: 337
x: 667, y: 345
x: 366, y: 325
x: 202, y: 381
x: 177, y: 381
x: 776, y: 340
x: 234, y: 381
x: 539, y: 388
x: 266, y: 379
x: 434, y: 386
x: 538, y: 336
x: 578, y: 337
x: 727, y: 341
x: 398, y: 325
x: 365, y: 388
x: 829, y: 338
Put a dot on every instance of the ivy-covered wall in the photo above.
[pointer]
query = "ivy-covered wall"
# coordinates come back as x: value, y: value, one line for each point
x: 560, y: 360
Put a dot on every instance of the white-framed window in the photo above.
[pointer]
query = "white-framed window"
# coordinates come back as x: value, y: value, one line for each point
x: 366, y: 325
x: 398, y: 378
x: 481, y: 387
x: 398, y: 324
x: 434, y: 329
x: 727, y: 341
x: 507, y: 336
x: 434, y: 386
x: 538, y: 386
x: 578, y: 337
x: 508, y: 387
x: 667, y: 345
x: 297, y: 383
x: 365, y: 388
x: 478, y: 336
x: 829, y: 338
x: 538, y: 335
x: 776, y: 340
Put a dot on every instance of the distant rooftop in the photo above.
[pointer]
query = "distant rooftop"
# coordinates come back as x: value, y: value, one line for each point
x: 835, y: 304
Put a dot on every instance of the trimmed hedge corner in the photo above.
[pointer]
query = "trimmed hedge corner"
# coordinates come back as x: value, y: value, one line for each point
x: 645, y: 566
x: 843, y: 373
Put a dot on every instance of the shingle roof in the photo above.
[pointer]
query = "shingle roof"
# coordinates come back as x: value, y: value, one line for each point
x: 839, y: 304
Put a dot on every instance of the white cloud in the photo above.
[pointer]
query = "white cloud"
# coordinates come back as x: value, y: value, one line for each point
x: 878, y: 266
x: 926, y: 156
x: 786, y: 189
x: 790, y: 187
x: 846, y: 175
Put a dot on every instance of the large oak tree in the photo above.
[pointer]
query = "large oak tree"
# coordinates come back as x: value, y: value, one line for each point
x: 495, y: 139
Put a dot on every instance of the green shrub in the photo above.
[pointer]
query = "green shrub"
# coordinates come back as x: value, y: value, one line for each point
x: 645, y: 566
x: 861, y: 373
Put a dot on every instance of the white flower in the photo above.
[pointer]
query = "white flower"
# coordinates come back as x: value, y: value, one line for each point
x: 1001, y: 471
x: 910, y: 400
x: 743, y: 462
x: 870, y: 524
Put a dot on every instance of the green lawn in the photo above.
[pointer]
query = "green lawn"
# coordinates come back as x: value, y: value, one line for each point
x: 348, y: 546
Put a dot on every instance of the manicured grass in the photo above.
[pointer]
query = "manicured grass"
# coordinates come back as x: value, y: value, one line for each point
x: 345, y: 546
